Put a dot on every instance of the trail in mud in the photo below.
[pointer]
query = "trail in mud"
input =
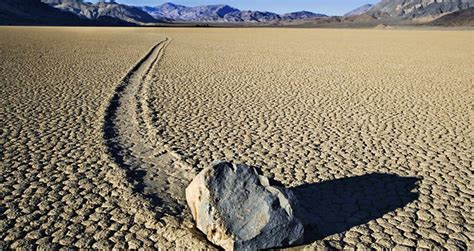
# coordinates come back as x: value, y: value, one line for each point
x: 132, y: 141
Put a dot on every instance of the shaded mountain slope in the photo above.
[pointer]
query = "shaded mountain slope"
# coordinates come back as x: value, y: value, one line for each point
x: 28, y: 12
x: 100, y: 10
x: 458, y: 18
x: 34, y: 12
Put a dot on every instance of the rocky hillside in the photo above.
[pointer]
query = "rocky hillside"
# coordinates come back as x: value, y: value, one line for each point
x: 358, y: 11
x: 183, y: 13
x: 102, y: 9
x: 417, y: 8
x: 458, y: 18
x: 32, y: 11
x: 220, y: 13
x: 35, y: 12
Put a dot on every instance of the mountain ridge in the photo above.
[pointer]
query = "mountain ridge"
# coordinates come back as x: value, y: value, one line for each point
x: 359, y: 11
x: 79, y: 12
x: 98, y: 10
x: 35, y: 12
x: 417, y: 8
x: 221, y: 13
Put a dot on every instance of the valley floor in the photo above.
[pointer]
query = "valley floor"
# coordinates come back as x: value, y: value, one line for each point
x: 103, y: 128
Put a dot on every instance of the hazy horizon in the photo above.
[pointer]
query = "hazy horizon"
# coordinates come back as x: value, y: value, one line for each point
x: 329, y: 7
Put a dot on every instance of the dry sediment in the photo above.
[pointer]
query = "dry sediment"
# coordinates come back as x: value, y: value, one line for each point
x: 60, y: 187
x: 352, y: 119
x: 347, y: 118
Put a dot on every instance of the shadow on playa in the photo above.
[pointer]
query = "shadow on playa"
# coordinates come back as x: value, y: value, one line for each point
x: 335, y: 206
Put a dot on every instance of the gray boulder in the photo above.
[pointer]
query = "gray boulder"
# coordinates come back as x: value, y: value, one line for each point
x: 238, y: 209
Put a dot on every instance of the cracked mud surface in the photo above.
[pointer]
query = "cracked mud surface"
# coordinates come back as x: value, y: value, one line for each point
x: 60, y: 187
x: 311, y: 106
x: 102, y: 129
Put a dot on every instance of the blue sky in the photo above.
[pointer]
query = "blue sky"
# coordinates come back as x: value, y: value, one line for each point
x: 330, y: 7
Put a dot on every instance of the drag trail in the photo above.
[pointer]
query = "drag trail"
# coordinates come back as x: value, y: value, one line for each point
x: 132, y: 141
x: 156, y: 172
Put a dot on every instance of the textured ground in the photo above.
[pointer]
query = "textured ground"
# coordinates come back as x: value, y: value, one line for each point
x: 60, y: 186
x: 370, y: 128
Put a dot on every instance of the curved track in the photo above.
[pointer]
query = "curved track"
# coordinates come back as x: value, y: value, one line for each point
x: 133, y: 143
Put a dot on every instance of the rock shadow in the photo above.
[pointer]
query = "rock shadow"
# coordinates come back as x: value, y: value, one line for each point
x: 335, y: 206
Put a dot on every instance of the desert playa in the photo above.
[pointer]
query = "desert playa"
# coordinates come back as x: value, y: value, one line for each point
x: 103, y: 129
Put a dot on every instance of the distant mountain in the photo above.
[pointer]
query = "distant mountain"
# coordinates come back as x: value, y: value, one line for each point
x: 252, y: 16
x: 459, y: 18
x: 34, y: 12
x: 183, y: 13
x: 302, y: 15
x: 99, y: 10
x: 167, y: 10
x: 359, y: 11
x: 220, y: 13
x: 408, y: 9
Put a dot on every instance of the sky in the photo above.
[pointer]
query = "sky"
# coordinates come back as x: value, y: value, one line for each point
x: 329, y: 7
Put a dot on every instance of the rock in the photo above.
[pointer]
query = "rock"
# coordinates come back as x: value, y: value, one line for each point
x: 239, y: 210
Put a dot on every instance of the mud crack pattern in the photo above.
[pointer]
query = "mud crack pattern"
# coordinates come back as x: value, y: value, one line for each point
x: 370, y: 129
x: 60, y: 188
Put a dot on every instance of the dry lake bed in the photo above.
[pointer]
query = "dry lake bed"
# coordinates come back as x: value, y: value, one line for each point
x: 103, y: 128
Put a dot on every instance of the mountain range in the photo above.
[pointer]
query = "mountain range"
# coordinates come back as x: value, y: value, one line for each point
x: 78, y: 12
x: 221, y: 13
